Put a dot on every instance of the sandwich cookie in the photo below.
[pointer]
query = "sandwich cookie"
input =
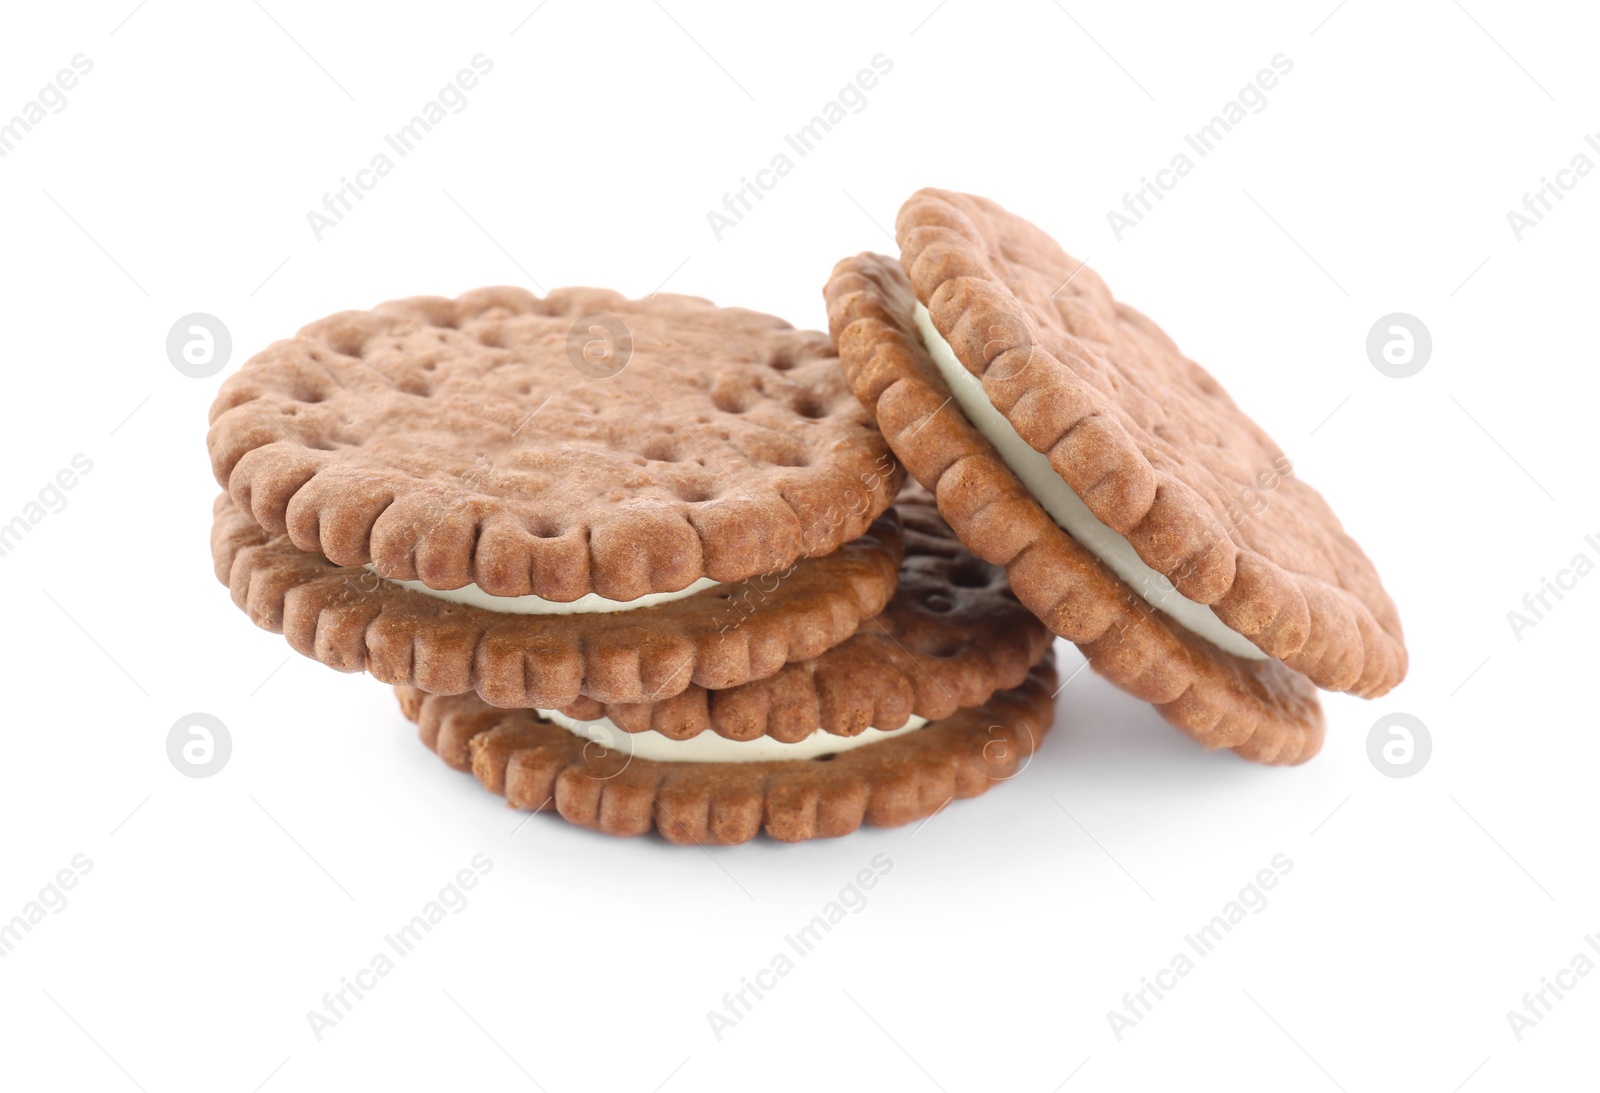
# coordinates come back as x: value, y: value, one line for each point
x: 538, y: 499
x: 906, y: 715
x: 1136, y: 509
x: 950, y: 637
x: 541, y: 765
x: 351, y: 619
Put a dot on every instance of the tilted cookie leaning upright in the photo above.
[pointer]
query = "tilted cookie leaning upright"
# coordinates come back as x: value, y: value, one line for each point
x: 1136, y: 509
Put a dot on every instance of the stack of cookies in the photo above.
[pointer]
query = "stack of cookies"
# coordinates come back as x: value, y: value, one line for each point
x: 654, y: 564
x: 647, y: 564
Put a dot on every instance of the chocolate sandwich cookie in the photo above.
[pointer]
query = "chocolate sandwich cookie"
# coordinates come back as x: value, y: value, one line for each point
x: 351, y: 619
x: 578, y: 444
x: 540, y: 765
x: 1136, y: 509
x: 541, y: 498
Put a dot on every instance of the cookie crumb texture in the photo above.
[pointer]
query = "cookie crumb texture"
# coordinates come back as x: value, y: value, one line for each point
x: 1148, y: 439
x: 539, y: 766
x: 352, y: 620
x: 481, y: 440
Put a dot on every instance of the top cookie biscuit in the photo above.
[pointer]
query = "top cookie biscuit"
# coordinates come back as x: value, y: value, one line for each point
x: 559, y: 446
x: 1150, y: 442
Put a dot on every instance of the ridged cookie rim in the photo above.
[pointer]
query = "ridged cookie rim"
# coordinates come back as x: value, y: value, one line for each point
x: 351, y: 620
x: 1325, y: 631
x: 1262, y: 710
x: 286, y: 441
x: 539, y: 766
x: 899, y: 663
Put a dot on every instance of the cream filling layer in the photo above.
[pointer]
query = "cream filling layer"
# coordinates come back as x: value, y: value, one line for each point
x: 708, y: 747
x: 1067, y: 509
x: 589, y: 604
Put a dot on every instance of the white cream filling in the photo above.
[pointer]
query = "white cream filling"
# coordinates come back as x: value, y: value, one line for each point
x: 708, y: 747
x: 1067, y: 509
x: 588, y: 604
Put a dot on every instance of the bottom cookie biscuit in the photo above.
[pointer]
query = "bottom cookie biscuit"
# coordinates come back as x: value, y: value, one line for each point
x: 539, y: 765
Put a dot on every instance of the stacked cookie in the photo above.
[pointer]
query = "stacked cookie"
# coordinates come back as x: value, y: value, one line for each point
x: 639, y: 562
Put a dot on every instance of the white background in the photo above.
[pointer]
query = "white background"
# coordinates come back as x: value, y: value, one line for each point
x: 218, y: 911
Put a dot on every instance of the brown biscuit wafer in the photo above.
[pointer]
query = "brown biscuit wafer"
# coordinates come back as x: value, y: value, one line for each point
x: 538, y: 765
x: 952, y: 635
x: 559, y: 446
x: 1263, y: 709
x: 1150, y: 442
x: 350, y: 619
